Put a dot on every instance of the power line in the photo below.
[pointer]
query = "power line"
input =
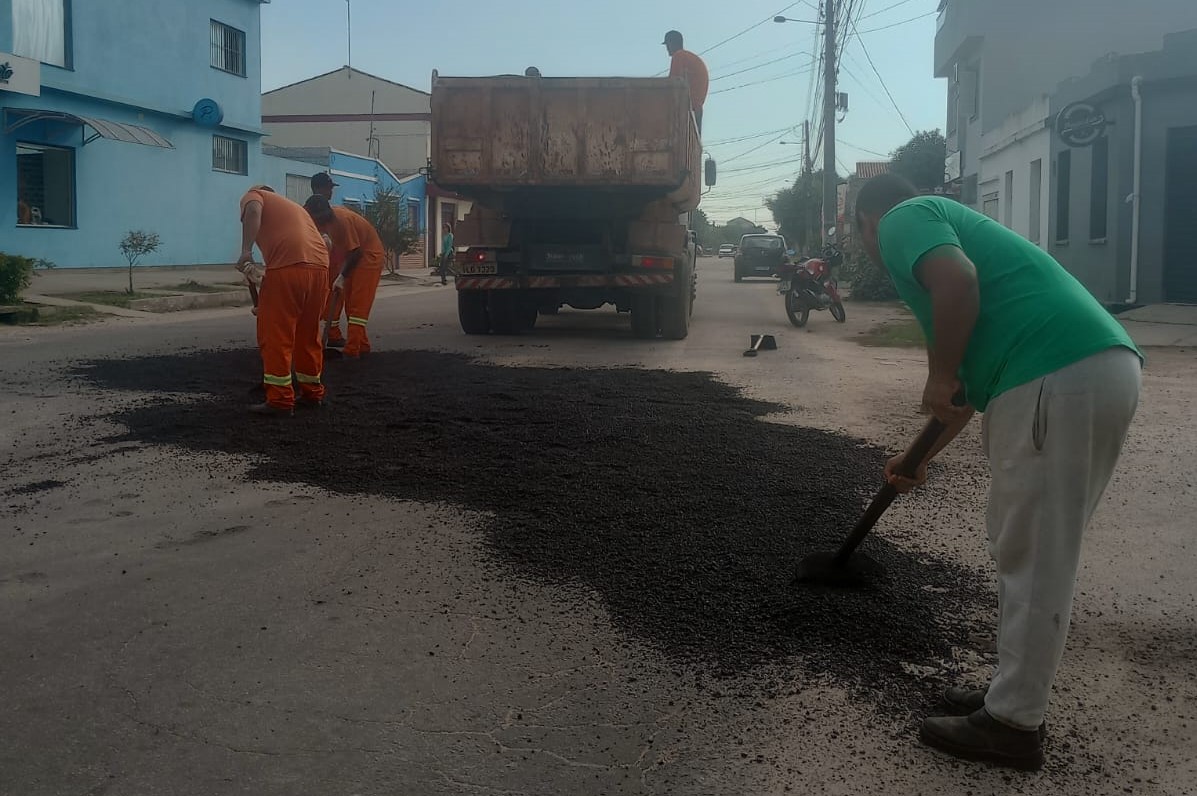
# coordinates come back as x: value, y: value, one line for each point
x: 773, y: 79
x: 748, y: 29
x: 889, y: 94
x: 882, y: 11
x: 758, y: 66
x: 860, y: 148
x: 903, y: 22
x: 758, y: 146
x: 749, y: 137
x: 752, y: 57
x: 760, y: 166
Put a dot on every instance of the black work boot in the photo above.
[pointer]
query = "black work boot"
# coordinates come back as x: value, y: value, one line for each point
x: 265, y: 409
x: 979, y: 736
x: 963, y: 701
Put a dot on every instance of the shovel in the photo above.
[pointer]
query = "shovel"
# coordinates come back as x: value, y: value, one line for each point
x: 839, y: 568
x: 760, y: 342
x: 329, y: 351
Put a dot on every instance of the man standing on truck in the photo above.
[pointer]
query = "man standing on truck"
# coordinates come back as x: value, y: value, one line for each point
x: 686, y: 64
x: 1058, y: 380
x: 356, y: 243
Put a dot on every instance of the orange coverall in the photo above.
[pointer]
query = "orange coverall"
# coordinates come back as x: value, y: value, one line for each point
x: 335, y: 264
x: 292, y: 298
x: 350, y: 231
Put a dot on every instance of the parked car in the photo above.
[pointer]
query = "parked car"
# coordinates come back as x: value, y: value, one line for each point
x: 760, y: 255
x: 727, y: 250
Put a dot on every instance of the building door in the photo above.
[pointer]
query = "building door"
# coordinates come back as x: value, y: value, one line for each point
x: 1180, y: 210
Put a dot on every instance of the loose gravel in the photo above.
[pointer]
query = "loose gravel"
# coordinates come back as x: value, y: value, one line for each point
x: 661, y: 494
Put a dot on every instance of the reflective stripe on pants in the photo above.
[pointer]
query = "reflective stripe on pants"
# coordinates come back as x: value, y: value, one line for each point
x: 360, y: 287
x: 289, y: 308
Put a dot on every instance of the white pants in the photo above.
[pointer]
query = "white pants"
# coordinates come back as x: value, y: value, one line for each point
x: 1052, y: 445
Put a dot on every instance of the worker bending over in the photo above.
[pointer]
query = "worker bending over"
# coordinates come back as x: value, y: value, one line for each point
x: 323, y: 185
x: 356, y: 243
x: 294, y: 288
x: 1058, y: 380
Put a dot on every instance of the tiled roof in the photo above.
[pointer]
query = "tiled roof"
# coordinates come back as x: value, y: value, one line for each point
x: 867, y: 169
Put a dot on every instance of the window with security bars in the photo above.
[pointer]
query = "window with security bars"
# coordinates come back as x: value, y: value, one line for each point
x: 299, y: 188
x: 228, y: 49
x: 230, y: 155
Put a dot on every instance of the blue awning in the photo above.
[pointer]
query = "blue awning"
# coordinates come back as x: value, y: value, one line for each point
x: 16, y: 118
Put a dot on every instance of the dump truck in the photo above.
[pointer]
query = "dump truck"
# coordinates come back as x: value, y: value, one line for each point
x: 580, y: 190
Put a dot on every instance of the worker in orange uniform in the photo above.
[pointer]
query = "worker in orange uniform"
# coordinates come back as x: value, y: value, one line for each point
x: 356, y: 241
x: 323, y: 185
x: 292, y: 297
x: 684, y: 63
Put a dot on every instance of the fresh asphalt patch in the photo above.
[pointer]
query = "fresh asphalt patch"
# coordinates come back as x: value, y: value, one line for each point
x: 661, y: 494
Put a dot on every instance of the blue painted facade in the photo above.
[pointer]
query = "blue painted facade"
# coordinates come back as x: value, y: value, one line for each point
x: 144, y: 63
x: 358, y: 178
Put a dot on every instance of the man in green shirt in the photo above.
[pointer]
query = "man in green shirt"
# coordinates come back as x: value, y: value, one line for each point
x: 1058, y: 380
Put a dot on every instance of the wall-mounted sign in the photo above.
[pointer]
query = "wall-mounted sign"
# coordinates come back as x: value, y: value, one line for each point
x: 20, y: 75
x: 207, y: 113
x: 951, y: 167
x: 1080, y: 124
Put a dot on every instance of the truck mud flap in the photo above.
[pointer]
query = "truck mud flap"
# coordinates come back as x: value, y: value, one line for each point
x: 546, y: 282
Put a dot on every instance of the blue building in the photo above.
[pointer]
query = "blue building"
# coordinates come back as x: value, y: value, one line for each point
x: 129, y: 114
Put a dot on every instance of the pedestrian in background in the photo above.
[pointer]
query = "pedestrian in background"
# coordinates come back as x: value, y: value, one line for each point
x: 292, y: 297
x: 446, y: 252
x: 356, y: 243
x: 1058, y: 380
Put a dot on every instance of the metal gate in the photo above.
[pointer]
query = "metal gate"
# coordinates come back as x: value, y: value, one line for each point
x: 1180, y: 217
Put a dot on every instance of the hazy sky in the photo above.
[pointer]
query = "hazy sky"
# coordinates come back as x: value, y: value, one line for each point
x: 760, y: 79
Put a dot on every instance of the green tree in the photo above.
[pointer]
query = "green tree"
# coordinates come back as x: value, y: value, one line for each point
x: 399, y: 234
x: 921, y: 160
x: 136, y: 244
x: 798, y: 211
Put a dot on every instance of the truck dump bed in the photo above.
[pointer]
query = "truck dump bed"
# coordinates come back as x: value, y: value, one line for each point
x: 522, y: 143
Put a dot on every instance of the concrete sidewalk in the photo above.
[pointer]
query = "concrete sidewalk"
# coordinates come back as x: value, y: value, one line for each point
x: 1162, y: 325
x: 50, y: 285
x: 78, y: 280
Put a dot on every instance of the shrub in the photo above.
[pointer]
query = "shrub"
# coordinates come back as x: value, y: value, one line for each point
x: 869, y: 282
x: 16, y: 273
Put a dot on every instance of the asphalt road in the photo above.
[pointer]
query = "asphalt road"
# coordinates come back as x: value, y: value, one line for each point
x: 171, y: 627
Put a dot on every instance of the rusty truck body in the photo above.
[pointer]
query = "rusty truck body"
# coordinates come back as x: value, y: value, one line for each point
x: 580, y: 191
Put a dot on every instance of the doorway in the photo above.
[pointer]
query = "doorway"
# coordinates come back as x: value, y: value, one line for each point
x: 1180, y: 210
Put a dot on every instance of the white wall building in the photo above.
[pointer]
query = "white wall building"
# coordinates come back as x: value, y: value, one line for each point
x: 354, y: 112
x: 1015, y: 172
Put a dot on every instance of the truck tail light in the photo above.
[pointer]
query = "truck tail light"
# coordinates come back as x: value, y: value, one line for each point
x: 659, y: 263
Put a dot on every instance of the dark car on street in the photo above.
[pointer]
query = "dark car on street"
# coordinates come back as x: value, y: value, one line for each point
x: 760, y: 255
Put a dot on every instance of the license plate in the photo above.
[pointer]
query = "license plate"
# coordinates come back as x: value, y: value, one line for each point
x: 474, y: 269
x: 559, y: 257
x: 784, y: 287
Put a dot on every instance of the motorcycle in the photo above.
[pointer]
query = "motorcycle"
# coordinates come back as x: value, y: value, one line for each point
x: 807, y: 285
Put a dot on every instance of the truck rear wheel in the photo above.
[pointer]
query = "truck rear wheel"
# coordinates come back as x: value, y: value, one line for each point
x: 471, y: 311
x: 675, y: 314
x: 645, y: 317
x: 505, y: 312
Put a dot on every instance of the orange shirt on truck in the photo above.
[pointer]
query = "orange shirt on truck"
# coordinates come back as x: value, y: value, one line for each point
x: 354, y: 231
x: 688, y: 65
x: 288, y: 236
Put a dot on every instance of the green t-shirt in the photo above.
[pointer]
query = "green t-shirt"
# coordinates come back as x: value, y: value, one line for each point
x: 1035, y: 317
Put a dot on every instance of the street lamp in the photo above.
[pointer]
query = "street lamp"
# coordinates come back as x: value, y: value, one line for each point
x: 830, y: 214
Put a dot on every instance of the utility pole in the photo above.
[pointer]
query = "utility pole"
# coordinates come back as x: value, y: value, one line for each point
x: 349, y: 36
x: 830, y: 216
x: 806, y: 164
